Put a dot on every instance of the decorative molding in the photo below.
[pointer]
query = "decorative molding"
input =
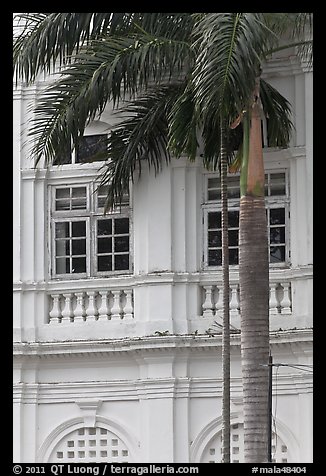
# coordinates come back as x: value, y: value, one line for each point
x: 158, y: 344
x: 199, y: 444
x: 68, y: 426
x: 90, y: 395
x: 210, y: 430
x: 167, y: 277
x: 89, y: 409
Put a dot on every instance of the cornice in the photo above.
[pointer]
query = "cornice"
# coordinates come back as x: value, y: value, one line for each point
x: 286, y: 65
x: 89, y: 394
x: 158, y: 278
x: 154, y: 344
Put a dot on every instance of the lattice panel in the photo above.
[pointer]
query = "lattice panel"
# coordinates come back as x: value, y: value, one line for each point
x: 90, y: 445
x: 213, y: 451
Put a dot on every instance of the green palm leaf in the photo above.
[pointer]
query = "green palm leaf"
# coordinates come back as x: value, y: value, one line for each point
x: 226, y: 68
x: 108, y: 70
x: 46, y: 40
x: 141, y: 137
x: 278, y: 113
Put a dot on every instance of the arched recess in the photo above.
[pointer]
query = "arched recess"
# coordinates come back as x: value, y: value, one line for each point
x: 207, y: 445
x: 108, y: 435
x: 97, y: 128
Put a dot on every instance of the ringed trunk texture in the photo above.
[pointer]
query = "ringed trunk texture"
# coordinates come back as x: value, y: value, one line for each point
x: 226, y: 309
x: 254, y: 305
x: 254, y: 295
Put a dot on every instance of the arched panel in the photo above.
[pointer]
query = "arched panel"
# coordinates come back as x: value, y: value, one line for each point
x: 207, y: 447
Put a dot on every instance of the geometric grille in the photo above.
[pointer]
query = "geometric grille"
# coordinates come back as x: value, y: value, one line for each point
x: 90, y: 445
x: 213, y: 451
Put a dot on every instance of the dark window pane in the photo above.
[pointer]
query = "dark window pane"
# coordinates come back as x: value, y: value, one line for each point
x: 277, y: 254
x: 277, y: 184
x: 214, y: 239
x: 62, y: 265
x: 62, y: 204
x: 101, y: 202
x: 214, y: 220
x: 121, y: 262
x: 78, y: 247
x: 78, y: 228
x: 102, y: 193
x: 233, y: 256
x: 121, y: 226
x: 233, y: 237
x: 61, y: 159
x: 62, y: 248
x: 62, y: 229
x: 233, y: 219
x: 62, y: 193
x: 78, y: 192
x: 78, y: 204
x: 121, y: 243
x: 104, y: 263
x: 214, y: 182
x: 78, y: 200
x: 278, y: 189
x: 91, y: 148
x: 214, y: 195
x: 277, y: 216
x: 233, y: 192
x: 104, y: 245
x: 277, y: 235
x: 78, y: 265
x: 104, y: 227
x: 234, y: 181
x: 214, y: 257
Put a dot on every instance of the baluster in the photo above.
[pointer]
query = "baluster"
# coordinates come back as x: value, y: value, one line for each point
x: 234, y: 301
x: 286, y: 301
x: 79, y: 309
x: 91, y: 309
x: 208, y: 305
x: 55, y: 313
x: 219, y: 302
x: 67, y: 311
x: 116, y: 310
x: 103, y: 310
x: 128, y: 310
x: 273, y: 301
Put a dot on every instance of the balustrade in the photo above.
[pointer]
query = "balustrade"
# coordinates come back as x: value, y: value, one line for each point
x: 280, y: 300
x: 102, y: 305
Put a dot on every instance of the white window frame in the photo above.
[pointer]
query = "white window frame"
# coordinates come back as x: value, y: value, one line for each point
x: 272, y: 202
x: 90, y: 215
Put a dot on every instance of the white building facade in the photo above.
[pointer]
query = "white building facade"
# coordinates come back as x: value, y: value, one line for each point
x: 117, y: 345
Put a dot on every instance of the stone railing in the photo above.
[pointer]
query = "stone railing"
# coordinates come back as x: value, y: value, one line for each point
x: 91, y: 305
x: 280, y: 299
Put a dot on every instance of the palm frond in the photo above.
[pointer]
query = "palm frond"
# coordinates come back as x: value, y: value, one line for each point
x: 140, y: 138
x: 184, y: 126
x: 46, y: 40
x: 278, y: 112
x: 232, y: 46
x: 108, y: 70
x: 293, y: 30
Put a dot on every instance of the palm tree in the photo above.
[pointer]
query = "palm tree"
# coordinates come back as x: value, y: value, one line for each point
x: 184, y: 75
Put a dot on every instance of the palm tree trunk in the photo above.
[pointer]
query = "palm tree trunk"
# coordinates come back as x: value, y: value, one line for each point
x: 226, y: 311
x: 254, y: 293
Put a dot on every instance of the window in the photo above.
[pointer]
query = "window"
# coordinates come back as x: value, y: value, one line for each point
x: 213, y: 450
x: 90, y: 148
x: 277, y: 210
x: 89, y: 445
x: 85, y: 242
